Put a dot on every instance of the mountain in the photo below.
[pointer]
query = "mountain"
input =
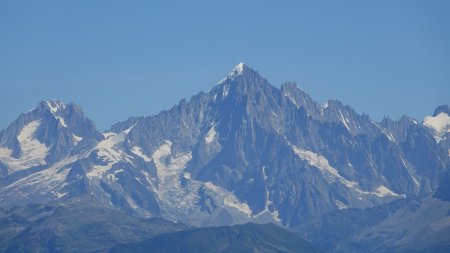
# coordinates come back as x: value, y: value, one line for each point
x: 423, y: 227
x: 38, y: 146
x: 281, y: 155
x: 84, y: 225
x: 249, y: 237
x: 245, y: 151
x: 81, y: 225
x: 405, y: 225
x: 439, y: 125
x: 45, y: 134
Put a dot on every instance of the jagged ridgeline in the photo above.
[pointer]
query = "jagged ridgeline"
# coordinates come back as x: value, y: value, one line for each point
x: 244, y: 151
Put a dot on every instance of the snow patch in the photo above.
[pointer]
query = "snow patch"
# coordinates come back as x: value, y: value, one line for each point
x: 322, y: 163
x: 76, y: 139
x: 98, y: 170
x: 237, y: 70
x: 210, y: 135
x: 388, y: 134
x: 5, y: 153
x: 344, y: 120
x: 127, y: 131
x: 169, y: 166
x: 225, y: 91
x: 384, y: 131
x: 383, y: 191
x: 173, y: 193
x: 59, y: 195
x: 268, y: 201
x: 106, y: 148
x: 187, y: 175
x: 32, y: 154
x: 61, y: 121
x: 323, y: 108
x: 131, y: 202
x: 138, y: 151
x: 222, y: 81
x: 55, y: 105
x: 332, y: 175
x: 289, y: 96
x: 229, y: 199
x: 340, y: 205
x: 410, y: 171
x: 112, y: 176
x: 109, y: 149
x: 440, y: 125
x: 52, y: 179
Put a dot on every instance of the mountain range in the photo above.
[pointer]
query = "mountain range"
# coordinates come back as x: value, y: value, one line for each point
x: 245, y: 151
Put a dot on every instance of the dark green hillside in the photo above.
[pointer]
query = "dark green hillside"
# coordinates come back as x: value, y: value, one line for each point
x: 79, y: 226
x: 249, y: 237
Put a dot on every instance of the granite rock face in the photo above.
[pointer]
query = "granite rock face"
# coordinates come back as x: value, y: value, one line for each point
x: 244, y: 151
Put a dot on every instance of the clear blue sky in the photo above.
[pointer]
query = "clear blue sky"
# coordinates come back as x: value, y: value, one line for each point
x: 135, y: 58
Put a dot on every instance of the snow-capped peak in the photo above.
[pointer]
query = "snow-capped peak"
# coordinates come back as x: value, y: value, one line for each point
x: 238, y: 69
x: 440, y: 125
x: 55, y: 105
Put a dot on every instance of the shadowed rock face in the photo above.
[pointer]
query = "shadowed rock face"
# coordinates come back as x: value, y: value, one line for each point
x: 244, y: 151
x: 442, y: 109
